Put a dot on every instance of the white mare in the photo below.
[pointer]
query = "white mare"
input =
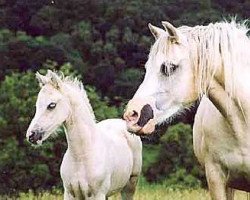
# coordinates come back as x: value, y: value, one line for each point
x: 102, y: 158
x: 211, y: 63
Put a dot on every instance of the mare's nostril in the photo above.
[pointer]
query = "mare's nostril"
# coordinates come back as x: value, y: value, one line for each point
x: 135, y: 114
x: 130, y: 116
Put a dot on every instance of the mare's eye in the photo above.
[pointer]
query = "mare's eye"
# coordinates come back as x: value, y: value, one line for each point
x: 51, y: 106
x: 168, y: 69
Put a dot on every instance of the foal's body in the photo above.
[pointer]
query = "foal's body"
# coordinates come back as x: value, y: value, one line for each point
x: 102, y: 158
x: 108, y: 163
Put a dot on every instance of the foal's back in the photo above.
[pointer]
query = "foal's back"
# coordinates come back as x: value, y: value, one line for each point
x: 114, y: 133
x: 114, y: 129
x: 124, y: 153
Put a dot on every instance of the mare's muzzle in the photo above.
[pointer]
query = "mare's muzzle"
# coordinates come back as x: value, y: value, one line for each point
x: 139, y: 117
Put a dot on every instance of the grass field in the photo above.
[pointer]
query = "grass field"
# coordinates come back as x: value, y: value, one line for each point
x: 147, y: 192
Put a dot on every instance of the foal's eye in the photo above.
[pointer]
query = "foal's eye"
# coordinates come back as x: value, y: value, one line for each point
x: 51, y: 106
x: 168, y: 69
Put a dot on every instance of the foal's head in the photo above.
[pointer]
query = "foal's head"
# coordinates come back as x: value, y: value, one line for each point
x: 52, y: 108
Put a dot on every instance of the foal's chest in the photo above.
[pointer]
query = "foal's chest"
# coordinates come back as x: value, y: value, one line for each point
x: 74, y: 177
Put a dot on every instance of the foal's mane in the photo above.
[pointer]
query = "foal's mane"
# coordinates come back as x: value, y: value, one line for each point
x: 220, y: 46
x: 76, y: 85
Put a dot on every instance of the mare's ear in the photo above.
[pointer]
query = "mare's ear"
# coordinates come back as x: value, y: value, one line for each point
x: 173, y: 32
x: 42, y: 80
x: 55, y: 80
x: 155, y: 31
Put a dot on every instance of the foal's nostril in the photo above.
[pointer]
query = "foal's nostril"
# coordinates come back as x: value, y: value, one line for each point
x: 31, y: 137
x: 40, y: 137
x: 32, y: 133
x: 35, y: 136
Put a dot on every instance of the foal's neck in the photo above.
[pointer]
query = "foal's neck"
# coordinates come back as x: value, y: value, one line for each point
x: 80, y: 128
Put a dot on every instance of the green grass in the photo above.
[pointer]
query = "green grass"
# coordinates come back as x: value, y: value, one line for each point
x: 144, y: 192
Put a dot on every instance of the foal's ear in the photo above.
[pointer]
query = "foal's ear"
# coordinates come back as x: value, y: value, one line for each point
x: 55, y: 80
x: 156, y: 31
x: 42, y: 80
x: 172, y: 31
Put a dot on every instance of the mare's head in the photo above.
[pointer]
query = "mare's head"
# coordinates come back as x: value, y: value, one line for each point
x: 168, y: 85
x: 52, y: 108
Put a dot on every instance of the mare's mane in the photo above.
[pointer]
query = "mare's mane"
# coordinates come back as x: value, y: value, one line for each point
x: 220, y: 46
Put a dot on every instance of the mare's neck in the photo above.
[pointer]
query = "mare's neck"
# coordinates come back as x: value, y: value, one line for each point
x: 234, y: 109
x: 221, y: 65
x: 80, y: 128
x: 230, y: 108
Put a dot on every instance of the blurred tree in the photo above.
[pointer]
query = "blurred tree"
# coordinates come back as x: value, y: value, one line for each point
x: 176, y: 163
x: 17, y: 13
x: 19, y: 162
x: 127, y: 82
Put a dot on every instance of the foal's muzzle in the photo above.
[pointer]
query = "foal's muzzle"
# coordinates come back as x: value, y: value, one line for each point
x: 35, y: 136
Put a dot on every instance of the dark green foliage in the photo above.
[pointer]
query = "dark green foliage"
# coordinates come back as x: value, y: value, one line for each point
x: 21, y: 166
x: 175, y: 163
x: 128, y: 82
x: 101, y: 39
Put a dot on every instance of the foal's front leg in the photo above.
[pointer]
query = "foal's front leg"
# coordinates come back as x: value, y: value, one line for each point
x: 97, y: 197
x: 216, y: 181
